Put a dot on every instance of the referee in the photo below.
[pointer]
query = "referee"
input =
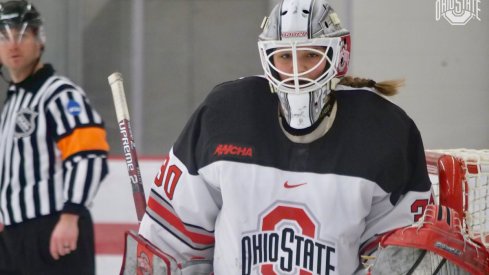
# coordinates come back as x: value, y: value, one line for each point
x: 53, y: 156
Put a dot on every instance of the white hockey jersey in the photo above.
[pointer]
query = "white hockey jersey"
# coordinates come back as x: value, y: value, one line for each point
x: 236, y: 191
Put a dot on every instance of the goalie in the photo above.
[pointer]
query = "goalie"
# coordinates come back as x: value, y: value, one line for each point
x: 286, y: 173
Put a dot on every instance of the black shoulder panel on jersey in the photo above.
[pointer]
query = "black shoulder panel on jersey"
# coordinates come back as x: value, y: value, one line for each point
x: 370, y: 138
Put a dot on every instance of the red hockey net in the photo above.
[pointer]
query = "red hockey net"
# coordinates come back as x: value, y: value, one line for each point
x: 460, y: 180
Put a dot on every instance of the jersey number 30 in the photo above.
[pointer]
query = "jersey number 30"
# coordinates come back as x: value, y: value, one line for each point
x: 170, y: 174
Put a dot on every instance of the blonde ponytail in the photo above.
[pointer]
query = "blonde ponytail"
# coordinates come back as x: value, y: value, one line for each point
x: 387, y: 88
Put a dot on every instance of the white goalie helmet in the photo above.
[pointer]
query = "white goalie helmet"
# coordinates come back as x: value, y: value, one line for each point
x: 293, y: 29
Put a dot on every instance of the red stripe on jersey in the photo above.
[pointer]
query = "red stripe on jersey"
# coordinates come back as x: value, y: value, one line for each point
x: 178, y: 224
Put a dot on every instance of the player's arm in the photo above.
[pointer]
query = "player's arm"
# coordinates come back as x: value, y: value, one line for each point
x: 79, y: 135
x: 404, y: 205
x: 181, y: 213
x: 183, y: 204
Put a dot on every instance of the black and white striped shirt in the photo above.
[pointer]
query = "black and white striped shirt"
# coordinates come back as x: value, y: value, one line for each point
x: 53, y: 148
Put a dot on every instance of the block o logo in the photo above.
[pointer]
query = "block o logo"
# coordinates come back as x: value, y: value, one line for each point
x: 287, y: 242
x: 457, y: 12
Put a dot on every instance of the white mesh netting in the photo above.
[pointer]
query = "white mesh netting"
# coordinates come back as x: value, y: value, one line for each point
x: 475, y: 164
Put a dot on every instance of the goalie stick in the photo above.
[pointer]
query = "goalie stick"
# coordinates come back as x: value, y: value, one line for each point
x: 140, y: 256
x: 127, y: 142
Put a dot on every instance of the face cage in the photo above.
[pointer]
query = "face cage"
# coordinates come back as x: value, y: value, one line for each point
x: 301, y: 84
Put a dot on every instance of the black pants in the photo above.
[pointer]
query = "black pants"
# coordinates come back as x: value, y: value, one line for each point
x: 6, y: 265
x: 28, y: 246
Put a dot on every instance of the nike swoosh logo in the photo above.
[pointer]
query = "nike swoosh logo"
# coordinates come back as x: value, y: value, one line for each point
x: 288, y: 185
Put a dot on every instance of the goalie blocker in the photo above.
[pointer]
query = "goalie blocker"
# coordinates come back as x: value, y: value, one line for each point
x: 141, y: 257
x: 435, y: 244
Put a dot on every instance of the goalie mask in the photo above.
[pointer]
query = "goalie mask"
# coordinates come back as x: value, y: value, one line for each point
x: 302, y: 48
x: 16, y: 17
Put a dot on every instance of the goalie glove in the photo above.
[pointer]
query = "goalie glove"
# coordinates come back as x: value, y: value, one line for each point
x: 434, y: 245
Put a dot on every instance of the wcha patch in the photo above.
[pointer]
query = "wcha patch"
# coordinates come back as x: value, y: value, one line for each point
x: 73, y: 107
x: 25, y: 123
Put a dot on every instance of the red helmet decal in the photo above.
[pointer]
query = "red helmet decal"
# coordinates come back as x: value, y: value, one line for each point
x: 344, y: 56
